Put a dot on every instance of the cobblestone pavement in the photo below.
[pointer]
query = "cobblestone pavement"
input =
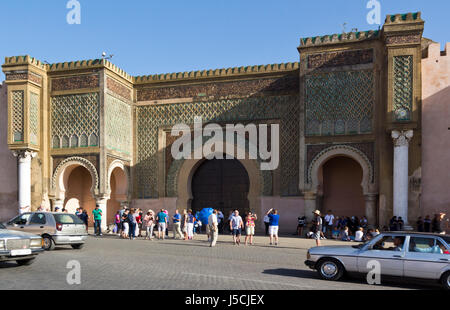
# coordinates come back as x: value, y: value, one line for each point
x: 112, y: 263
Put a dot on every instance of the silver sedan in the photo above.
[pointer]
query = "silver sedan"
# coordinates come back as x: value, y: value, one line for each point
x: 19, y: 246
x: 398, y: 254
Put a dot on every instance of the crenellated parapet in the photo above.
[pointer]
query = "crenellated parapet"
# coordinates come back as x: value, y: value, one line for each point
x: 349, y: 37
x: 228, y: 72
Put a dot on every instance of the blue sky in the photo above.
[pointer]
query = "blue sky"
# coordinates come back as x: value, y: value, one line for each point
x: 149, y: 36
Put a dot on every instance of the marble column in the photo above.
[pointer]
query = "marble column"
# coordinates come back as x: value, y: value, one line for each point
x: 401, y: 180
x: 24, y: 179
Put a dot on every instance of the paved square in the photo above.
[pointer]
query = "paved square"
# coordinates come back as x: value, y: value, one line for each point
x: 112, y: 263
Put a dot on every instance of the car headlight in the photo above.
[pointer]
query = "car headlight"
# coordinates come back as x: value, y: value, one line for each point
x: 37, y: 243
x: 2, y: 244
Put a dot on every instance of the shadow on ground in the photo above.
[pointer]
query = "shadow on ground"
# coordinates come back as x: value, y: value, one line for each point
x: 387, y: 282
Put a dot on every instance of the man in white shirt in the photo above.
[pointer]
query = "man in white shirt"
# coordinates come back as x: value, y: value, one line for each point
x: 329, y: 220
x: 236, y: 225
x: 213, y: 228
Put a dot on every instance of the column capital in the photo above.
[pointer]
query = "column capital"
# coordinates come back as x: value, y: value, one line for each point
x: 24, y: 154
x: 402, y: 138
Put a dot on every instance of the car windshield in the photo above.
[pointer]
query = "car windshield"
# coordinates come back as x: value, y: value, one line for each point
x: 67, y: 219
x: 2, y: 227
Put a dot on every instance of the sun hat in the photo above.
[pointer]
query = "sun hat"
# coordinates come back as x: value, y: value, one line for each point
x: 317, y: 212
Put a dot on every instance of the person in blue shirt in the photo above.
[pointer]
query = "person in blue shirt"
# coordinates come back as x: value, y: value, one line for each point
x: 274, y: 219
x: 177, y: 225
x: 162, y: 224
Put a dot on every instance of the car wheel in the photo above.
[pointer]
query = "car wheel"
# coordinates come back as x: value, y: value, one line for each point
x: 330, y: 269
x: 25, y: 262
x: 49, y: 244
x: 446, y: 280
x: 77, y: 246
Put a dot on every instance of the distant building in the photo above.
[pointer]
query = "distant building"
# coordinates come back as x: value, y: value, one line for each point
x: 351, y: 125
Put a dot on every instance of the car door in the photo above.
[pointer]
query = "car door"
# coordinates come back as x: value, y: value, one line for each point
x: 37, y: 224
x: 426, y: 257
x: 388, y: 251
x: 19, y: 223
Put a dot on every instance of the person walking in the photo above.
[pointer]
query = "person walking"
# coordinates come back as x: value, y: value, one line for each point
x: 167, y: 224
x: 266, y: 223
x: 184, y: 224
x: 125, y: 224
x: 190, y: 225
x: 97, y: 212
x: 148, y: 225
x: 213, y: 225
x: 250, y: 227
x: 116, y: 223
x: 329, y: 220
x: 133, y: 223
x: 177, y: 225
x: 274, y: 219
x: 236, y: 225
x: 85, y: 218
x: 317, y: 226
x: 161, y: 218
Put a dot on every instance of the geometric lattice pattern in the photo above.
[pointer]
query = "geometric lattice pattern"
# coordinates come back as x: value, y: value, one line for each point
x: 17, y: 115
x: 151, y: 118
x: 403, y: 87
x: 339, y: 103
x: 74, y: 116
x: 118, y: 124
x: 34, y: 118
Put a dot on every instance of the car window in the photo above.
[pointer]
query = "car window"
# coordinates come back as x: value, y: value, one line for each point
x: 21, y: 219
x: 67, y: 219
x: 390, y: 243
x: 38, y: 218
x: 427, y: 245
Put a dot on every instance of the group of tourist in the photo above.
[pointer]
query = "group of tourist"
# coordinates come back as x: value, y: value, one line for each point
x: 435, y: 225
x: 130, y: 223
x: 342, y: 228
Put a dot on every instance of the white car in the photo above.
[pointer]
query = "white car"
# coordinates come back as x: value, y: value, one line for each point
x: 399, y: 254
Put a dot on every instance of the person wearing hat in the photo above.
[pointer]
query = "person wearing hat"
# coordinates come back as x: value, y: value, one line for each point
x: 317, y: 226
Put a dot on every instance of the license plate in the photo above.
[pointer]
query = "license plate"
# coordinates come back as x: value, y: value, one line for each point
x: 20, y: 252
x: 74, y: 238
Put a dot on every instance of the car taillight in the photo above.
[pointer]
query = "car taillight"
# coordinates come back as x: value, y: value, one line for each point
x: 59, y: 226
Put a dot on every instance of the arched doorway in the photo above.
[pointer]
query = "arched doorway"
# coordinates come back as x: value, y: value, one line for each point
x: 78, y: 184
x: 119, y: 187
x: 222, y: 184
x: 341, y: 185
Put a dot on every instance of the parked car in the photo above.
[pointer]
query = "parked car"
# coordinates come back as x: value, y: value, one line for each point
x: 55, y: 228
x: 400, y: 254
x: 19, y: 246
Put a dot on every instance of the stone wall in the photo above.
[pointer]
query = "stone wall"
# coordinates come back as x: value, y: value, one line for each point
x: 436, y: 133
x: 8, y: 176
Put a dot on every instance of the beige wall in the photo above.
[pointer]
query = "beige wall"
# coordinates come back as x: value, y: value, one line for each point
x: 8, y: 163
x: 436, y: 133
